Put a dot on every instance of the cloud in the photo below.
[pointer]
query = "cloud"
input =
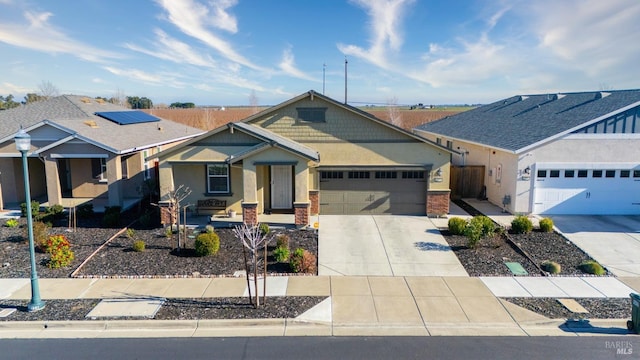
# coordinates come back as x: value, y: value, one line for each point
x: 194, y: 19
x: 159, y: 79
x: 289, y: 67
x: 386, y: 37
x: 39, y: 35
x: 7, y: 88
x: 168, y: 48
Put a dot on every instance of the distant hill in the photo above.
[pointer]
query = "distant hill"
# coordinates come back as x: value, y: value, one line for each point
x: 211, y: 118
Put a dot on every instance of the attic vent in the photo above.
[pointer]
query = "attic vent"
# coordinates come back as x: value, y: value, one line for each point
x: 602, y: 95
x: 100, y: 101
x: 86, y: 100
x: 92, y: 124
x: 523, y: 97
x: 560, y: 96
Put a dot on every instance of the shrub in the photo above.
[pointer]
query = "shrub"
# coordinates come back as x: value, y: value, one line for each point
x: 457, y: 225
x: 138, y: 246
x: 473, y: 231
x: 35, y: 209
x: 551, y: 267
x: 209, y: 228
x: 55, y: 211
x: 207, y: 244
x: 546, y: 225
x: 592, y: 267
x: 281, y: 254
x: 264, y: 228
x: 40, y: 234
x: 84, y: 211
x: 485, y: 223
x: 521, y: 225
x: 302, y: 261
x: 131, y: 233
x: 11, y: 223
x: 282, y: 240
x: 60, y: 250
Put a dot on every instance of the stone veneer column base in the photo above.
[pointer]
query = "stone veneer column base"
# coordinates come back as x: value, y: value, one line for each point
x: 301, y: 213
x: 314, y: 198
x: 438, y: 202
x: 250, y: 213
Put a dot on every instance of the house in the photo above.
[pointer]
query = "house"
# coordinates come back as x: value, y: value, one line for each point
x: 310, y: 155
x: 83, y: 149
x: 565, y: 153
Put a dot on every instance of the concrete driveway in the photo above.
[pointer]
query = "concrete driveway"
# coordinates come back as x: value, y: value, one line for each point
x: 384, y: 245
x: 613, y: 241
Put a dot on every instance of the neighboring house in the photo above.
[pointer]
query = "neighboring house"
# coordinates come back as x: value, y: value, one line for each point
x: 310, y: 155
x: 79, y: 155
x: 566, y: 153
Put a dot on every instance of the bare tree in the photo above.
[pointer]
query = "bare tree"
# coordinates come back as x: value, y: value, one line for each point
x: 175, y: 197
x: 119, y: 98
x: 394, y: 115
x: 254, y: 240
x: 48, y: 90
x: 253, y: 102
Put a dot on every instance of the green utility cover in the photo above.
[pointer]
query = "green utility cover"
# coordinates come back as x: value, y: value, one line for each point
x: 516, y: 268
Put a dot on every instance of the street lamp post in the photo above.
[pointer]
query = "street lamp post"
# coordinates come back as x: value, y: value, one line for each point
x: 23, y: 144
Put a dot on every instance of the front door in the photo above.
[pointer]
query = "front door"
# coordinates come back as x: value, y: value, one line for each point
x: 281, y: 187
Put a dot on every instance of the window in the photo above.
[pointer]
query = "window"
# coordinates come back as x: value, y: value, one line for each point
x: 99, y: 169
x: 597, y: 173
x: 413, y: 174
x: 554, y: 173
x: 124, y: 166
x: 610, y: 173
x: 449, y: 144
x: 542, y: 173
x: 582, y: 173
x: 324, y: 175
x: 625, y: 173
x: 386, y: 175
x: 314, y: 115
x: 145, y: 166
x: 569, y: 173
x: 218, y: 179
x: 359, y: 174
x: 439, y: 141
x: 636, y: 173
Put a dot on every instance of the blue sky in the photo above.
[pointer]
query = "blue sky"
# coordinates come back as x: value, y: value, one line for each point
x: 220, y: 52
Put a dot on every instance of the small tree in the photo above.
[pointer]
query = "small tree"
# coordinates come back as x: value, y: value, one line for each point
x: 174, y: 199
x: 254, y: 240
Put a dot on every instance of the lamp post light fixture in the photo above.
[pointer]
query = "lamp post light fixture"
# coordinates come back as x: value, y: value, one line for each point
x: 23, y: 144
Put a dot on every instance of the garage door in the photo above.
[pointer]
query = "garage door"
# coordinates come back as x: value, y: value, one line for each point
x: 373, y: 192
x: 587, y: 191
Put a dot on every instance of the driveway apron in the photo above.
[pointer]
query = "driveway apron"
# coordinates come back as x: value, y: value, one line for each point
x: 613, y: 241
x: 384, y: 245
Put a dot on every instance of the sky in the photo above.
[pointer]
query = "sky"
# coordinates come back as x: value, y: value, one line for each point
x: 247, y: 52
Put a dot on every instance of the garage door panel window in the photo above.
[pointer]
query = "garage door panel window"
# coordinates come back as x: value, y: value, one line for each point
x: 569, y: 173
x: 636, y: 174
x: 326, y: 175
x: 386, y: 175
x: 583, y: 173
x: 359, y: 175
x: 597, y: 173
x: 610, y: 173
x: 413, y: 174
x: 625, y: 173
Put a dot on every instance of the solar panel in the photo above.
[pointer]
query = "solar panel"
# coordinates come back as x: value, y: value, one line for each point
x: 127, y: 117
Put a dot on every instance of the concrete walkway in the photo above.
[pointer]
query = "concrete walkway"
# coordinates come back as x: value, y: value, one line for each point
x: 384, y: 245
x: 355, y: 306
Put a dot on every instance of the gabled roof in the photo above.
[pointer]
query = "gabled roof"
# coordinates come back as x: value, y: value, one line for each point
x: 311, y: 94
x: 516, y: 123
x: 76, y: 114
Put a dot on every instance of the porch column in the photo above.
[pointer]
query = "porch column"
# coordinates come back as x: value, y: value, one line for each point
x: 165, y: 177
x: 301, y: 203
x: 438, y: 202
x: 114, y: 180
x: 249, y: 194
x: 54, y: 191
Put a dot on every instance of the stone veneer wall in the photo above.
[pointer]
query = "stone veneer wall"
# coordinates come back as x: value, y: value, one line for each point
x: 314, y: 198
x: 438, y: 202
x: 301, y: 214
x: 250, y: 213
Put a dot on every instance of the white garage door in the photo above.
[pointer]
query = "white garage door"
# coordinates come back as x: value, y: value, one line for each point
x: 373, y: 192
x: 587, y: 191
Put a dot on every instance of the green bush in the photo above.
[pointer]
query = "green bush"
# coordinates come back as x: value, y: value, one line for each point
x: 84, y: 211
x: 35, y: 209
x: 474, y: 232
x: 138, y: 246
x: 264, y: 228
x: 11, y: 223
x: 282, y: 240
x: 592, y: 267
x: 487, y: 225
x: 281, y: 254
x: 457, y: 225
x: 551, y: 267
x: 302, y: 261
x: 546, y: 225
x: 521, y: 225
x: 131, y: 233
x: 207, y: 244
x: 55, y: 211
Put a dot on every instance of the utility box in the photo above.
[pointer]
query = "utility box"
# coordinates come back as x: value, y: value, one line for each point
x: 634, y: 323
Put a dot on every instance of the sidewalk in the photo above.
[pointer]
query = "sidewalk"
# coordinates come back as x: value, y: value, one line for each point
x: 356, y: 306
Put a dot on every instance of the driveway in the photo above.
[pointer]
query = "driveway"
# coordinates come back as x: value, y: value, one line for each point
x: 613, y: 241
x: 384, y: 245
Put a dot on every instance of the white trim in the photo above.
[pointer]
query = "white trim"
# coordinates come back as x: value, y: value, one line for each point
x: 610, y: 136
x: 55, y: 144
x: 145, y: 147
x: 583, y: 125
x: 79, y: 156
x: 445, y: 137
x: 586, y: 166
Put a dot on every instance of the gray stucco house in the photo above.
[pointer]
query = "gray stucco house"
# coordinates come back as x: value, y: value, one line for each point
x: 564, y: 153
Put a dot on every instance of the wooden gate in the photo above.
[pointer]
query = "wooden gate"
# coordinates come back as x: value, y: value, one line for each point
x: 467, y: 181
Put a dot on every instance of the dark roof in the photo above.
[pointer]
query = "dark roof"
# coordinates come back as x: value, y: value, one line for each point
x: 520, y: 121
